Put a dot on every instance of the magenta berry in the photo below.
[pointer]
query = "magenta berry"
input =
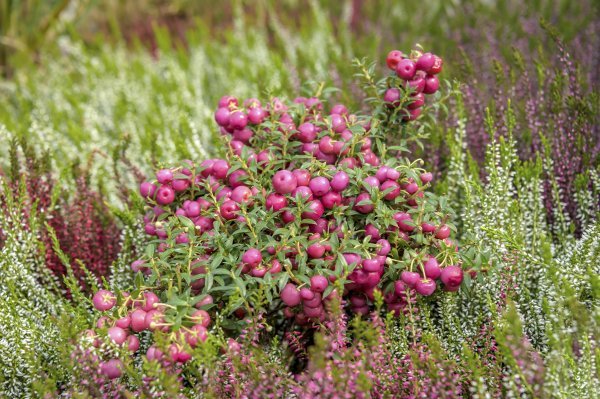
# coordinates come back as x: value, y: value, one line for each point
x: 147, y: 189
x: 165, y: 195
x: 290, y: 295
x: 164, y: 176
x: 252, y: 257
x: 318, y: 283
x: 138, y: 320
x: 443, y: 232
x: 112, y: 368
x: 425, y: 287
x: 392, y: 96
x: 220, y: 168
x: 406, y: 69
x: 340, y: 181
x: 410, y: 278
x: 315, y: 210
x: 316, y: 250
x: 117, y: 335
x: 361, y: 205
x: 229, y: 210
x: 432, y: 268
x: 104, y: 300
x: 302, y: 176
x: 319, y: 186
x: 393, y: 187
x: 452, y: 276
x: 284, y: 182
x: 276, y: 202
x: 432, y: 84
x: 425, y: 62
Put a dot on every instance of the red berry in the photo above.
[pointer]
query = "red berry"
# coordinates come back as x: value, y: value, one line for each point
x: 443, y: 232
x: 437, y: 66
x: 393, y: 58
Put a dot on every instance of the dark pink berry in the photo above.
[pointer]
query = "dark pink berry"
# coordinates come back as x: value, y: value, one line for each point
x: 112, y: 369
x: 307, y: 132
x: 432, y: 268
x: 410, y: 278
x: 339, y: 181
x: 318, y: 283
x: 315, y: 210
x: 164, y: 176
x: 117, y: 335
x: 104, y: 300
x: 393, y: 187
x: 284, y: 182
x: 290, y: 295
x: 425, y: 62
x: 316, y: 250
x: 443, y: 232
x: 229, y: 210
x: 252, y: 257
x: 360, y: 204
x: 452, y: 276
x: 147, y: 189
x: 406, y: 69
x: 275, y: 202
x: 432, y: 84
x: 425, y: 287
x: 302, y: 176
x: 222, y: 116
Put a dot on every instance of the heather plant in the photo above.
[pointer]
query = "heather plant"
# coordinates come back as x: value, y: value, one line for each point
x: 84, y: 229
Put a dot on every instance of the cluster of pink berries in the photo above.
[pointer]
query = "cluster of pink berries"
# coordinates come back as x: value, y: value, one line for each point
x: 133, y: 316
x: 276, y: 151
x: 418, y: 71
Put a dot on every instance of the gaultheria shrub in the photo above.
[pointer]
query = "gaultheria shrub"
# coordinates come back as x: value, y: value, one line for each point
x: 300, y: 210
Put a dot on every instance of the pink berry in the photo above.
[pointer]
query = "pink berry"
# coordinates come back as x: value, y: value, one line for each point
x: 165, y: 195
x: 117, y: 335
x: 392, y: 97
x: 362, y: 207
x: 452, y: 276
x: 290, y: 295
x: 229, y: 102
x: 404, y: 221
x: 432, y: 84
x: 426, y: 177
x: 164, y: 176
x: 305, y: 193
x: 425, y: 287
x: 437, y: 66
x: 220, y: 169
x: 315, y: 210
x: 371, y: 265
x: 112, y: 368
x: 425, y: 62
x: 229, y: 210
x: 138, y: 320
x: 384, y: 247
x: 443, y: 232
x: 318, y: 283
x: 331, y: 200
x: 316, y: 250
x: 338, y: 124
x: 302, y: 176
x: 147, y: 189
x: 372, y: 181
x: 307, y: 132
x: 393, y: 59
x: 339, y: 109
x: 104, y: 300
x: 222, y: 116
x: 201, y: 317
x: 238, y: 120
x: 410, y: 278
x: 133, y: 343
x: 393, y: 187
x: 392, y: 174
x: 123, y: 322
x: 252, y: 257
x: 339, y: 181
x: 417, y: 101
x: 371, y: 230
x: 241, y: 194
x: 432, y: 268
x: 406, y: 69
x: 150, y: 299
x: 275, y: 202
x: 284, y: 182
